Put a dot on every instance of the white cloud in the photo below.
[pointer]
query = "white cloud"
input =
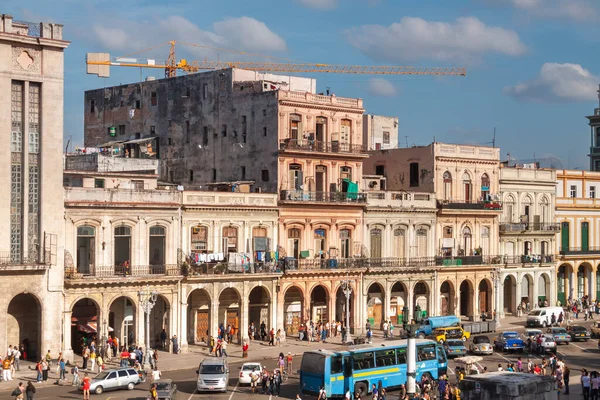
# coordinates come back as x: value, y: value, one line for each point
x: 319, y: 4
x: 467, y: 39
x: 243, y: 33
x: 381, y: 87
x: 577, y: 10
x: 558, y: 82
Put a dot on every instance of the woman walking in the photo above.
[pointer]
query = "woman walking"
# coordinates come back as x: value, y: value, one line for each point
x: 30, y: 391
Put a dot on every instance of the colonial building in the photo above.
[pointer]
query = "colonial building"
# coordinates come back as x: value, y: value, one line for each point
x: 379, y: 132
x: 578, y: 212
x: 31, y: 128
x: 527, y: 236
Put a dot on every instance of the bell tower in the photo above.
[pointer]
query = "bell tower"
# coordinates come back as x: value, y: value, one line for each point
x: 594, y: 122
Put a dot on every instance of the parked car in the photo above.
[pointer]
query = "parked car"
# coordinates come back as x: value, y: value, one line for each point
x: 166, y: 389
x: 578, y: 332
x: 213, y: 375
x: 455, y: 348
x: 560, y: 335
x: 596, y: 330
x: 481, y: 345
x: 246, y: 369
x: 509, y: 341
x: 455, y: 332
x: 113, y: 379
x: 548, y: 343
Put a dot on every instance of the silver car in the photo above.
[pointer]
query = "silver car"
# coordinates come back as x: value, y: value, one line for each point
x: 481, y: 345
x: 213, y: 375
x: 113, y: 379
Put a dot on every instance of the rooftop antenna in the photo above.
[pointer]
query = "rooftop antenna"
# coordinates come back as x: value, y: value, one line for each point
x: 494, y: 139
x: 598, y: 91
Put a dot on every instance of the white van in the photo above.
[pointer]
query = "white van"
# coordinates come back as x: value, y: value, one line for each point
x: 542, y: 316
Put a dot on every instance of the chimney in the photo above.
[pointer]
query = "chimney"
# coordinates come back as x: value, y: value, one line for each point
x: 6, y: 23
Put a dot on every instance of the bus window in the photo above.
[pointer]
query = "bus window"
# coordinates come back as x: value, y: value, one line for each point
x: 426, y: 352
x: 385, y: 358
x: 336, y: 365
x: 401, y: 355
x: 441, y: 355
x: 313, y: 363
x: 363, y: 360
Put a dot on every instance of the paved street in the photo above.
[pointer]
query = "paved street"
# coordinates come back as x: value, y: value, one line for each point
x: 577, y: 355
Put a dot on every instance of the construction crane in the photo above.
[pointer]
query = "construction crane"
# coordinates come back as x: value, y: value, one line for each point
x: 100, y: 63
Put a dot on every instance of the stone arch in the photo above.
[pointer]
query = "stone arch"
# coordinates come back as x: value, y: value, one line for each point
x: 230, y: 301
x: 85, y: 321
x: 543, y: 285
x: 398, y: 299
x: 259, y: 307
x: 293, y: 307
x: 24, y: 324
x: 583, y: 280
x: 421, y: 297
x: 122, y: 317
x: 467, y: 295
x: 319, y: 303
x: 526, y: 290
x: 485, y: 289
x: 510, y: 294
x: 376, y: 303
x: 199, y: 315
x: 160, y: 318
x: 448, y: 296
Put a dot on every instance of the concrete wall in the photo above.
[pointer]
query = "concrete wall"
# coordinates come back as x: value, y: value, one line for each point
x: 374, y: 127
x: 396, y: 164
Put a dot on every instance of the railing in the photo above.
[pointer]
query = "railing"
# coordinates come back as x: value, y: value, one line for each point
x: 493, y: 259
x: 291, y: 264
x: 473, y: 205
x: 225, y: 268
x: 322, y: 197
x: 134, y: 271
x: 308, y: 97
x: 8, y: 259
x: 321, y: 147
x: 579, y: 250
x: 530, y: 226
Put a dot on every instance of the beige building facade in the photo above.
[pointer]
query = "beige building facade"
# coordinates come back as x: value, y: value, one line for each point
x: 31, y: 126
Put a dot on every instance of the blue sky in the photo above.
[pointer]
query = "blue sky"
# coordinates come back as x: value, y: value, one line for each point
x: 532, y: 66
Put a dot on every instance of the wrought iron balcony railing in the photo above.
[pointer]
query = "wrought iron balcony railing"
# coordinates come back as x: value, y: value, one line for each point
x: 132, y: 271
x: 550, y: 227
x: 315, y: 146
x: 322, y: 197
x: 470, y: 205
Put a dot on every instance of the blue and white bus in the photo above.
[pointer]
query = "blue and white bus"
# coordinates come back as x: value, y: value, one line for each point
x: 361, y: 366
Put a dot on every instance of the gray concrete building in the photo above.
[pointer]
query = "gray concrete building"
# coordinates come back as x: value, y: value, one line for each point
x: 31, y: 241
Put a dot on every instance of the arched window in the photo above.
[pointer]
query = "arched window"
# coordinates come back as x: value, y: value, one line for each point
x: 485, y: 240
x: 509, y: 205
x: 294, y: 242
x: 295, y: 128
x: 320, y: 235
x: 421, y: 242
x: 345, y: 241
x: 526, y: 210
x: 485, y: 187
x: 260, y: 241
x: 447, y: 186
x: 157, y: 248
x: 466, y: 236
x: 199, y: 239
x: 399, y: 243
x: 122, y: 246
x: 230, y: 239
x: 467, y: 187
x: 447, y: 241
x: 86, y: 249
x: 376, y: 243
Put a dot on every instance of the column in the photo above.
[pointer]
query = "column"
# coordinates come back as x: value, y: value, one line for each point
x: 183, y: 331
x: 475, y: 299
x: 388, y: 301
x: 279, y: 310
x: 331, y: 305
x: 498, y: 299
x: 140, y: 328
x: 275, y: 321
x: 244, y: 317
x: 437, y: 302
x: 214, y: 318
x: 66, y: 334
x: 536, y: 278
x: 388, y: 232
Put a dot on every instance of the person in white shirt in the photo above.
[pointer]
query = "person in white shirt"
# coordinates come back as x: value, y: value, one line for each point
x: 385, y: 329
x: 348, y: 395
x: 156, y: 375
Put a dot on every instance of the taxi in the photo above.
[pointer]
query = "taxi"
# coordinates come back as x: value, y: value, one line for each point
x: 452, y: 332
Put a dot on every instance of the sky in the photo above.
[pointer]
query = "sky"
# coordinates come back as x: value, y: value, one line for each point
x: 532, y: 72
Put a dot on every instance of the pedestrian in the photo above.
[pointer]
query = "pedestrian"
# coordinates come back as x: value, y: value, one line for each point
x: 289, y: 362
x: 385, y: 329
x: 38, y: 368
x: 6, y: 376
x: 155, y: 358
x: 45, y: 369
x: 566, y: 376
x: 17, y: 358
x: 175, y: 344
x: 245, y: 349
x: 153, y: 392
x: 272, y: 337
x: 100, y: 362
x: 85, y: 355
x: 224, y: 348
x: 278, y: 338
x: 323, y: 393
x: 254, y: 376
x: 595, y: 383
x: 30, y: 391
x: 86, y: 383
x: 278, y: 380
x: 92, y: 361
x: 265, y: 379
x: 163, y: 339
x: 75, y: 373
x: 586, y: 385
x: 62, y: 375
x: 19, y: 391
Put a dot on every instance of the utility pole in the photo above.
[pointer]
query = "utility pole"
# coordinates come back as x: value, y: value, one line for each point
x: 147, y: 301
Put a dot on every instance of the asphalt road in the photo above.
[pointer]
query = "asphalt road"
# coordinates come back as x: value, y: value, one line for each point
x: 577, y: 355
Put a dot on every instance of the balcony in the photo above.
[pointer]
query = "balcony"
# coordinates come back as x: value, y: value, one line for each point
x: 124, y: 272
x: 401, y: 200
x: 493, y: 260
x: 30, y: 262
x: 311, y: 98
x: 300, y: 196
x: 313, y: 146
x: 530, y: 227
x: 576, y: 251
x: 462, y: 205
x: 291, y: 264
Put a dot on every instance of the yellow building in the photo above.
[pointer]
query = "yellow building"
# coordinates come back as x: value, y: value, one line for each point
x: 578, y: 212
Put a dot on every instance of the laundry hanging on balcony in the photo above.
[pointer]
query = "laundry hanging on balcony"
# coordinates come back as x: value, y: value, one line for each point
x: 351, y: 189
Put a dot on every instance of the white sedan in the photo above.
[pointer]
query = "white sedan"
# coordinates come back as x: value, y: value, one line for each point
x: 246, y: 369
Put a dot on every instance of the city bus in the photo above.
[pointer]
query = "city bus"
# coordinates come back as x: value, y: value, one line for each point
x: 361, y: 366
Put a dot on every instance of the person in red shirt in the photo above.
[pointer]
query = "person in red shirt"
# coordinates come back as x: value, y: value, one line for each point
x: 537, y: 370
x: 125, y: 357
x: 86, y: 387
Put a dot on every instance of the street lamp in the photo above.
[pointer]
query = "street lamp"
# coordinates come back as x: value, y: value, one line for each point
x: 147, y: 301
x: 411, y: 349
x: 347, y: 289
x: 496, y: 275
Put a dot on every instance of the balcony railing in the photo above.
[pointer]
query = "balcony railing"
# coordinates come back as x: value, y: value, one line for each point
x: 291, y: 264
x: 470, y: 205
x: 493, y: 259
x: 579, y: 250
x: 8, y: 260
x: 321, y: 147
x: 225, y: 268
x: 118, y: 272
x: 531, y: 227
x: 322, y: 197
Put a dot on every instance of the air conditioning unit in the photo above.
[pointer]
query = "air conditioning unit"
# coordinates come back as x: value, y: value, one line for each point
x: 373, y: 185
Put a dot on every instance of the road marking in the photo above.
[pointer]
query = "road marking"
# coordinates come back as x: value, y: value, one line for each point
x: 451, y: 371
x: 233, y: 391
x: 579, y: 347
x: 193, y: 393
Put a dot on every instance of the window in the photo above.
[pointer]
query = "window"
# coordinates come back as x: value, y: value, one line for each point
x: 153, y: 99
x: 85, y: 249
x: 157, y: 248
x: 138, y: 104
x: 426, y: 352
x: 99, y: 183
x: 244, y: 124
x: 592, y: 192
x: 122, y: 374
x: 243, y: 172
x: 171, y: 176
x: 199, y: 238
x: 385, y: 358
x: 363, y: 360
x: 152, y: 130
x: 265, y: 175
x: 214, y: 174
x: 380, y: 170
x: 336, y: 365
x: 264, y: 112
x: 121, y: 130
x: 187, y: 131
x: 230, y: 238
x: 93, y: 106
x: 414, y: 174
x: 137, y: 184
x: 122, y: 245
x: 386, y: 137
x: 295, y: 126
x: 170, y: 95
x: 169, y: 141
x: 205, y: 136
x: 205, y: 91
x: 447, y: 185
x: 191, y: 174
x: 224, y: 130
x: 573, y: 191
x: 264, y: 131
x: 485, y: 187
x: 244, y: 138
x: 401, y: 355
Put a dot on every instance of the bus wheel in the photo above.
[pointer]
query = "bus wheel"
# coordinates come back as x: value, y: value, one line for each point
x: 360, y: 388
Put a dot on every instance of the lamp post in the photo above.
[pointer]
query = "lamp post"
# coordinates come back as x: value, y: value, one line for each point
x: 147, y: 301
x: 347, y: 289
x: 496, y: 274
x: 411, y: 349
